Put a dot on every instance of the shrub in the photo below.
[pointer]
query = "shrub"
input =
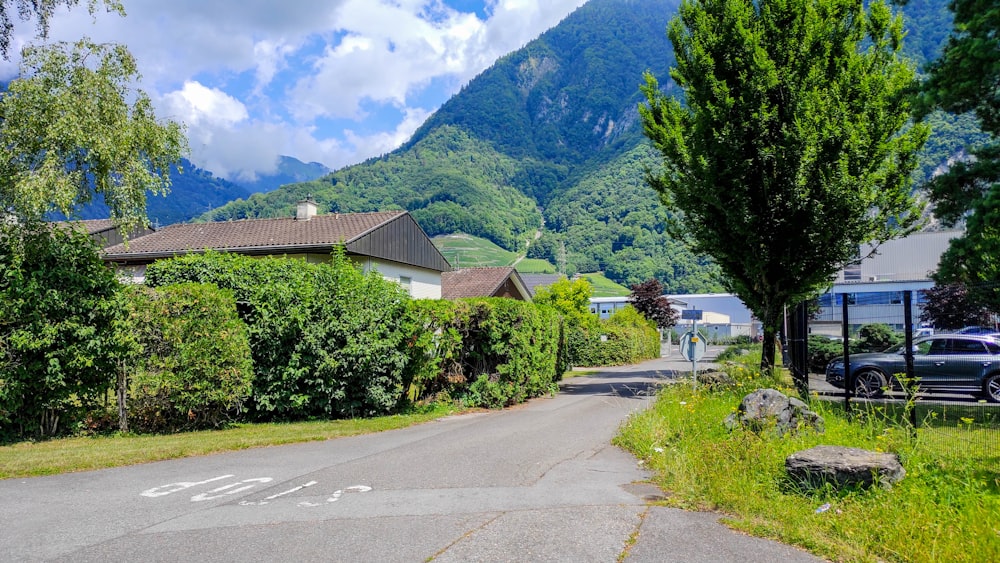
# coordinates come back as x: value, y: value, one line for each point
x: 628, y: 338
x: 192, y: 365
x: 57, y: 304
x: 487, y: 352
x: 327, y: 340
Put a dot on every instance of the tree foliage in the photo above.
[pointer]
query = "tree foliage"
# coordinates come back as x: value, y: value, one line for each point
x: 966, y: 78
x: 793, y: 146
x: 57, y: 306
x: 41, y: 11
x: 952, y: 306
x: 73, y: 126
x: 647, y: 298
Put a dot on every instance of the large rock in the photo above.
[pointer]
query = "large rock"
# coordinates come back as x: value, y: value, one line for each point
x: 715, y: 379
x: 768, y: 408
x: 844, y: 467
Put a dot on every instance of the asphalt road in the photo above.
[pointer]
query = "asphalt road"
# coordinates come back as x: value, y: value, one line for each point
x: 539, y: 482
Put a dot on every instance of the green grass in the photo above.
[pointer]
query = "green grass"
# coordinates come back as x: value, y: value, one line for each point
x: 535, y: 266
x: 603, y: 287
x: 945, y: 509
x: 29, y: 459
x: 466, y: 251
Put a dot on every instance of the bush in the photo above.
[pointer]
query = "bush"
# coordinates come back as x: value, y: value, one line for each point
x: 628, y: 338
x: 191, y: 368
x: 486, y: 352
x: 57, y: 305
x: 327, y: 340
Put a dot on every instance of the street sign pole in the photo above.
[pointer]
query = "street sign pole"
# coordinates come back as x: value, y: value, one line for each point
x: 692, y: 346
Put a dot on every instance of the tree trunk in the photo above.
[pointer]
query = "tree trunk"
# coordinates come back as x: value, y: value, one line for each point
x: 767, y: 354
x: 122, y: 398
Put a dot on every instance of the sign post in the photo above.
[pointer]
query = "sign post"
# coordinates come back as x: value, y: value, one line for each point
x: 692, y: 345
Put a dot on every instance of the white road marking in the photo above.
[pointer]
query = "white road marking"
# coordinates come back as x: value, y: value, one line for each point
x: 337, y: 494
x: 272, y: 497
x: 180, y: 486
x: 211, y: 494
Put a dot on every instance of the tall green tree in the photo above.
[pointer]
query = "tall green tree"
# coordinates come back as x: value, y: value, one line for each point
x: 72, y: 126
x: 966, y: 78
x: 792, y: 146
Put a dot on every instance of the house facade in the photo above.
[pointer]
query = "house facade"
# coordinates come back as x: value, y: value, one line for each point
x: 391, y: 243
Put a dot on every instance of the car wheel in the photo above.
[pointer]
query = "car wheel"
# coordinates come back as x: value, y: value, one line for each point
x: 991, y: 387
x: 869, y: 383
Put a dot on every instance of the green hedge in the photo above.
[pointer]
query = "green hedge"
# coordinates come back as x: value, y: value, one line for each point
x: 327, y: 340
x: 190, y: 365
x: 628, y: 338
x: 57, y: 307
x: 486, y: 352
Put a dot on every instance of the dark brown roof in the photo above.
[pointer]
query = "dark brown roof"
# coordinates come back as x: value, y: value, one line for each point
x: 476, y: 282
x: 321, y: 231
x: 387, y: 235
x: 91, y: 225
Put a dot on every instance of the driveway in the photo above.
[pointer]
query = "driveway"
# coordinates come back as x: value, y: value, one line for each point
x: 539, y: 482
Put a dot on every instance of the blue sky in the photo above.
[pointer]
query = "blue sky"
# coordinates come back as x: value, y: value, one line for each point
x: 331, y: 81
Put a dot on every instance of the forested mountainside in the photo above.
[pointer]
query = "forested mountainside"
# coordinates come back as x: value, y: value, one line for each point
x: 552, y: 131
x: 193, y: 191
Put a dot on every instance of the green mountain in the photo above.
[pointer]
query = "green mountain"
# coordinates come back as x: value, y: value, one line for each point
x: 543, y: 153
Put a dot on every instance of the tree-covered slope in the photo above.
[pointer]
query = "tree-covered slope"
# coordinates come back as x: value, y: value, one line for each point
x: 193, y: 191
x: 552, y: 129
x: 448, y: 181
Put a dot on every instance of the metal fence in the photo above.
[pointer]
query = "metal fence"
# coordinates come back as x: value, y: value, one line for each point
x: 870, y: 351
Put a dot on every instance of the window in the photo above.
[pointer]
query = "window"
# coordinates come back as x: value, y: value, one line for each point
x: 967, y: 347
x: 407, y: 284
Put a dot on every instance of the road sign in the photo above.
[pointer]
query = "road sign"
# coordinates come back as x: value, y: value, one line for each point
x: 691, y: 314
x: 692, y: 346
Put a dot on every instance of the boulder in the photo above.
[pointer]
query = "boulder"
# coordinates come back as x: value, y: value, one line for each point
x: 843, y: 467
x: 715, y: 379
x: 769, y: 408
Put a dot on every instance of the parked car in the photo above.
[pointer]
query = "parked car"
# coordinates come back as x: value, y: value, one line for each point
x: 978, y: 330
x: 944, y: 362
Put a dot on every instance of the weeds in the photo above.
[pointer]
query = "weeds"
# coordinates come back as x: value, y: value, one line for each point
x: 945, y: 509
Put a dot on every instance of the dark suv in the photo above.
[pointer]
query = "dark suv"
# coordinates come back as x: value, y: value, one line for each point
x: 943, y: 362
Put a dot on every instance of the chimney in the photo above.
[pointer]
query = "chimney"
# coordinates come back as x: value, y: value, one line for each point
x: 306, y: 209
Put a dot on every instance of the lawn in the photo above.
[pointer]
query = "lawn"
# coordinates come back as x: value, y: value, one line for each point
x: 945, y: 509
x: 30, y: 459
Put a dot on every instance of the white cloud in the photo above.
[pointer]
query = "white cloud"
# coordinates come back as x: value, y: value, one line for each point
x: 256, y: 78
x: 197, y: 105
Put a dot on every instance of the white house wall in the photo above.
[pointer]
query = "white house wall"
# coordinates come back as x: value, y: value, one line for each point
x: 424, y: 284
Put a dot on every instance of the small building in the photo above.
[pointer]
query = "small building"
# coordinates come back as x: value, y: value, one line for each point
x: 389, y: 242
x: 484, y: 282
x: 535, y: 281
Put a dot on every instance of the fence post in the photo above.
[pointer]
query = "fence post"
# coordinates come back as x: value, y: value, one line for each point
x: 846, y: 334
x: 908, y: 355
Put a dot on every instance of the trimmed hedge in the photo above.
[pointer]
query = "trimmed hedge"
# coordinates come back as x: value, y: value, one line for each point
x: 629, y: 338
x: 487, y: 352
x: 57, y: 307
x: 327, y: 340
x: 191, y: 364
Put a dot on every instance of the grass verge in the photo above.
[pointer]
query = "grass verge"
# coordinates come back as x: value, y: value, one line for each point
x: 32, y: 459
x: 947, y: 508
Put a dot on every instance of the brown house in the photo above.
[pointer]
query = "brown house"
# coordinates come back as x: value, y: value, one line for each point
x: 390, y: 242
x: 484, y: 282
